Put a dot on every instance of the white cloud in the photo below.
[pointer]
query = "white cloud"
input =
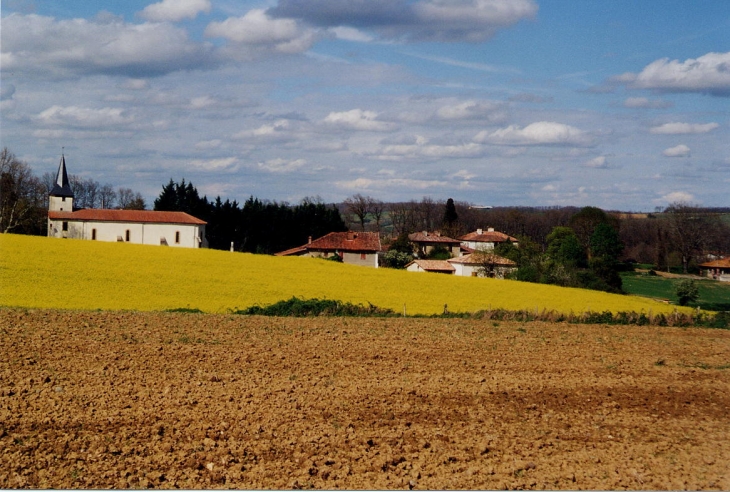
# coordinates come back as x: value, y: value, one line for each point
x: 83, y: 117
x: 175, y: 10
x: 678, y: 196
x: 227, y: 163
x: 645, y: 103
x: 540, y: 133
x: 683, y: 128
x: 135, y: 84
x: 36, y: 44
x: 678, y: 151
x: 208, y: 144
x: 472, y: 110
x: 357, y: 119
x: 280, y: 131
x: 597, y: 162
x: 257, y: 29
x: 282, y: 165
x: 202, y: 102
x: 709, y: 73
x: 350, y: 34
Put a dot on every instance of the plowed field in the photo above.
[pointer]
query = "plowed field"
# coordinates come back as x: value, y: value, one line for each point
x: 164, y: 400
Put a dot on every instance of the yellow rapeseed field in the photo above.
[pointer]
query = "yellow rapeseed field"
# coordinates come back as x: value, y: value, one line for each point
x: 56, y: 273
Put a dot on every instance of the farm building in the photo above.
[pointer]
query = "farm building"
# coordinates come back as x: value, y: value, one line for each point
x: 482, y: 265
x: 481, y: 239
x: 355, y: 248
x: 717, y: 269
x: 176, y: 229
x: 433, y: 266
x: 425, y: 242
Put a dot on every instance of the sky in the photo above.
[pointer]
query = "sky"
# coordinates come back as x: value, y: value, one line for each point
x: 618, y: 104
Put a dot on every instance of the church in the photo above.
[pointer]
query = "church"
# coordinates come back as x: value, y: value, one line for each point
x: 176, y: 229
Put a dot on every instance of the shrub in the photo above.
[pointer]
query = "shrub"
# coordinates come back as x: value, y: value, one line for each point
x: 687, y: 291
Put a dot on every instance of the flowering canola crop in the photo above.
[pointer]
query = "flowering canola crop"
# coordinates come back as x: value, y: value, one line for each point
x: 73, y: 274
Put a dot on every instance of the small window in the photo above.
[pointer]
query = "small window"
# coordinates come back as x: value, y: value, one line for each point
x: 177, y: 237
x: 126, y: 236
x: 64, y: 226
x: 362, y: 256
x: 93, y: 234
x: 63, y: 198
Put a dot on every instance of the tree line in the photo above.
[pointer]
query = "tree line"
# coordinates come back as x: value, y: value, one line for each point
x: 257, y: 226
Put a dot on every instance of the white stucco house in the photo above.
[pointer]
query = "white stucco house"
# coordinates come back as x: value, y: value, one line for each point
x: 176, y: 229
x: 483, y: 240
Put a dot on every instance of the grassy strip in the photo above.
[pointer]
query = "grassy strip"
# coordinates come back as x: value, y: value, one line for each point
x: 325, y: 307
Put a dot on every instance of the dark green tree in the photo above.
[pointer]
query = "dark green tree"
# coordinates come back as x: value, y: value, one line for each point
x: 687, y: 291
x: 565, y: 248
x: 451, y: 219
x: 606, y: 247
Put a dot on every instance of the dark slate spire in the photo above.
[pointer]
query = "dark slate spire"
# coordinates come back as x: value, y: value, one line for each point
x: 62, y: 186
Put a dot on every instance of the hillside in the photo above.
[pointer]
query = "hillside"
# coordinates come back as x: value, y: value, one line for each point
x: 57, y: 273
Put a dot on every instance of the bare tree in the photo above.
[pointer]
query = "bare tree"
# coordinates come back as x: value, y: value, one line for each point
x: 107, y: 196
x: 687, y: 229
x: 401, y: 214
x: 130, y: 200
x: 21, y: 194
x: 359, y: 206
x: 377, y: 208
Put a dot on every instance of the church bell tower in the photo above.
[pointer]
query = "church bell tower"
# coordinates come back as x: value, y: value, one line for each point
x: 61, y: 198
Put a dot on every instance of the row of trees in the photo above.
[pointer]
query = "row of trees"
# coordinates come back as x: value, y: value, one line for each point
x: 257, y: 226
x: 24, y: 196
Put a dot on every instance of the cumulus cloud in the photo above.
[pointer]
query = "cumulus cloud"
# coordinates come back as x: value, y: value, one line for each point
x: 708, y: 74
x: 540, y: 133
x: 83, y: 117
x: 282, y: 165
x: 678, y: 151
x: 645, y: 103
x: 359, y: 120
x: 424, y: 20
x: 683, y: 128
x: 175, y: 10
x: 258, y: 29
x: 61, y: 48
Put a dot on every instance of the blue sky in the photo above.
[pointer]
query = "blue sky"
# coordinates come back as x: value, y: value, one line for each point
x: 621, y: 104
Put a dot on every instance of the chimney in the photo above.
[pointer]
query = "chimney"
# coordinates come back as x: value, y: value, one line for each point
x: 479, y: 232
x: 309, y: 240
x: 425, y: 233
x: 490, y: 229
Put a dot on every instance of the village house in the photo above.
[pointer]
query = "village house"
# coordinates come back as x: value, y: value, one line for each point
x: 717, y: 269
x: 471, y: 265
x: 425, y: 242
x: 355, y: 248
x: 432, y: 266
x: 482, y: 265
x: 176, y: 229
x: 481, y: 239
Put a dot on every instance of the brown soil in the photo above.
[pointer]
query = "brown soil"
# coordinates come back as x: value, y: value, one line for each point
x: 100, y: 399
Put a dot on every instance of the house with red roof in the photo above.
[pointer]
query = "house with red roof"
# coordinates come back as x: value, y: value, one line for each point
x: 425, y: 242
x: 355, y: 248
x: 176, y: 229
x: 718, y: 269
x: 481, y: 239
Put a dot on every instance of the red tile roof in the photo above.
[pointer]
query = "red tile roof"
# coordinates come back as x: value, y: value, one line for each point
x: 723, y: 263
x: 340, y: 241
x: 488, y: 237
x: 434, y: 265
x: 110, y: 215
x: 420, y: 237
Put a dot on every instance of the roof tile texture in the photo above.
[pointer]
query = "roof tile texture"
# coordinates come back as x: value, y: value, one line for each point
x: 111, y: 215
